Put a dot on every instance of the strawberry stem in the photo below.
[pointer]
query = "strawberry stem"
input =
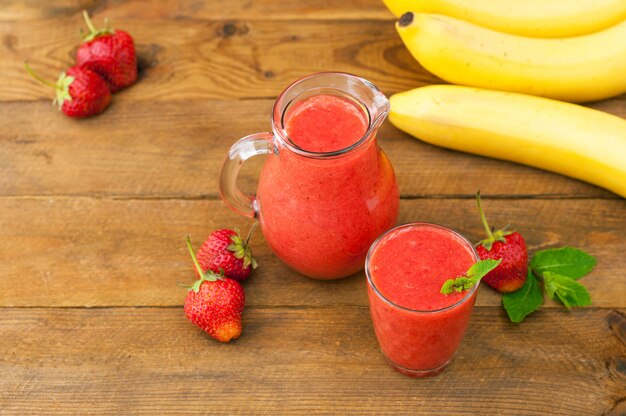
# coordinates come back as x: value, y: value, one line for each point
x: 193, y: 257
x: 482, y: 216
x: 250, y: 233
x: 39, y: 78
x: 89, y: 23
x: 93, y: 32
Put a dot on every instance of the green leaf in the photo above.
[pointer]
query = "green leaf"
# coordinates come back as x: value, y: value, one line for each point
x: 481, y: 268
x: 565, y: 261
x: 523, y: 301
x: 63, y: 89
x: 566, y: 290
x: 457, y: 285
x: 196, y: 285
x: 473, y: 275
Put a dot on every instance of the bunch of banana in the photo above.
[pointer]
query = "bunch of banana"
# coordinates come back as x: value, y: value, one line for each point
x: 582, y: 68
x: 571, y: 50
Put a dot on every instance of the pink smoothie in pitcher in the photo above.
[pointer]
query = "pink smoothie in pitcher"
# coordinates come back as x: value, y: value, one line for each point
x: 320, y: 215
x: 419, y: 328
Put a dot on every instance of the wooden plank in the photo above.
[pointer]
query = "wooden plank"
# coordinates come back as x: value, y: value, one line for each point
x: 302, y: 361
x: 184, y: 9
x: 201, y: 59
x: 100, y: 252
x: 175, y: 148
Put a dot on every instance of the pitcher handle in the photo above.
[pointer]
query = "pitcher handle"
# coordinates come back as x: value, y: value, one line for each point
x: 245, y: 148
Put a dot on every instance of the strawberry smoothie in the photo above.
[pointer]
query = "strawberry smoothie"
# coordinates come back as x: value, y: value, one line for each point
x: 418, y: 328
x: 324, y: 203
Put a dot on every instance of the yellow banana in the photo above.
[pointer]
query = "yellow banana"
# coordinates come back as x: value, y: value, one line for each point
x: 583, y: 68
x: 565, y: 138
x: 534, y: 18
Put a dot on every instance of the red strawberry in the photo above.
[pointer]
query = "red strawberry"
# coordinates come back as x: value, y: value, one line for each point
x: 225, y: 251
x: 215, y: 303
x: 80, y: 92
x: 509, y: 246
x: 110, y: 53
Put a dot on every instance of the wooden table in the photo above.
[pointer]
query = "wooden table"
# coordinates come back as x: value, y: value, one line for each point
x: 93, y: 215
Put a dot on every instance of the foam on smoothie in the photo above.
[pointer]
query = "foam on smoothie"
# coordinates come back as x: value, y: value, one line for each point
x: 409, y: 266
x: 325, y: 123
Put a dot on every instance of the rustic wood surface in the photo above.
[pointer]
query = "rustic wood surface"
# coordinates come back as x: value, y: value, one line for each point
x: 309, y: 361
x: 93, y: 214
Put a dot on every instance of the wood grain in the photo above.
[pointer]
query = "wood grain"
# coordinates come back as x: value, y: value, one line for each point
x: 93, y: 214
x: 100, y: 252
x: 300, y: 361
x: 220, y: 59
x: 216, y: 59
x: 185, y: 9
x: 175, y: 149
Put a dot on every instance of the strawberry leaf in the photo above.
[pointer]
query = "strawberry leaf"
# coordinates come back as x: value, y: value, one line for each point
x: 241, y: 249
x: 63, y: 89
x: 196, y: 285
x: 524, y: 301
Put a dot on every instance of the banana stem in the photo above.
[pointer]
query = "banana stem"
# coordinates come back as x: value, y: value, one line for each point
x: 39, y: 78
x: 482, y: 216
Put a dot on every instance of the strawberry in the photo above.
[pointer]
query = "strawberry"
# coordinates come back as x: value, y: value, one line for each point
x: 110, y: 53
x: 215, y: 303
x: 509, y: 246
x: 225, y: 251
x: 80, y: 92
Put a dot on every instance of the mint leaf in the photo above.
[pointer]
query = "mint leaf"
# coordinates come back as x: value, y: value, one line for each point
x: 459, y: 284
x: 566, y: 290
x: 566, y: 261
x: 481, y: 268
x: 473, y: 275
x: 523, y: 301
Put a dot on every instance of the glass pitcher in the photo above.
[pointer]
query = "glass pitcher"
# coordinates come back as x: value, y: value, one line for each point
x: 318, y: 210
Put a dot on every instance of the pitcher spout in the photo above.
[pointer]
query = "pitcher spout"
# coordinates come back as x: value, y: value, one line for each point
x: 380, y: 108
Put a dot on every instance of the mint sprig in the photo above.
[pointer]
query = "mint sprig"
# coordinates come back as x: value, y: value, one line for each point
x: 566, y: 261
x: 524, y: 301
x: 566, y: 290
x: 473, y: 275
x: 558, y: 269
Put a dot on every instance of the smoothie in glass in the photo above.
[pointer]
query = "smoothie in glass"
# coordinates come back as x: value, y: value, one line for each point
x: 418, y: 328
x: 321, y: 214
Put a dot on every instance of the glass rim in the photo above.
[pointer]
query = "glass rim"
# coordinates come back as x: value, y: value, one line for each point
x: 280, y: 133
x: 372, y: 248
